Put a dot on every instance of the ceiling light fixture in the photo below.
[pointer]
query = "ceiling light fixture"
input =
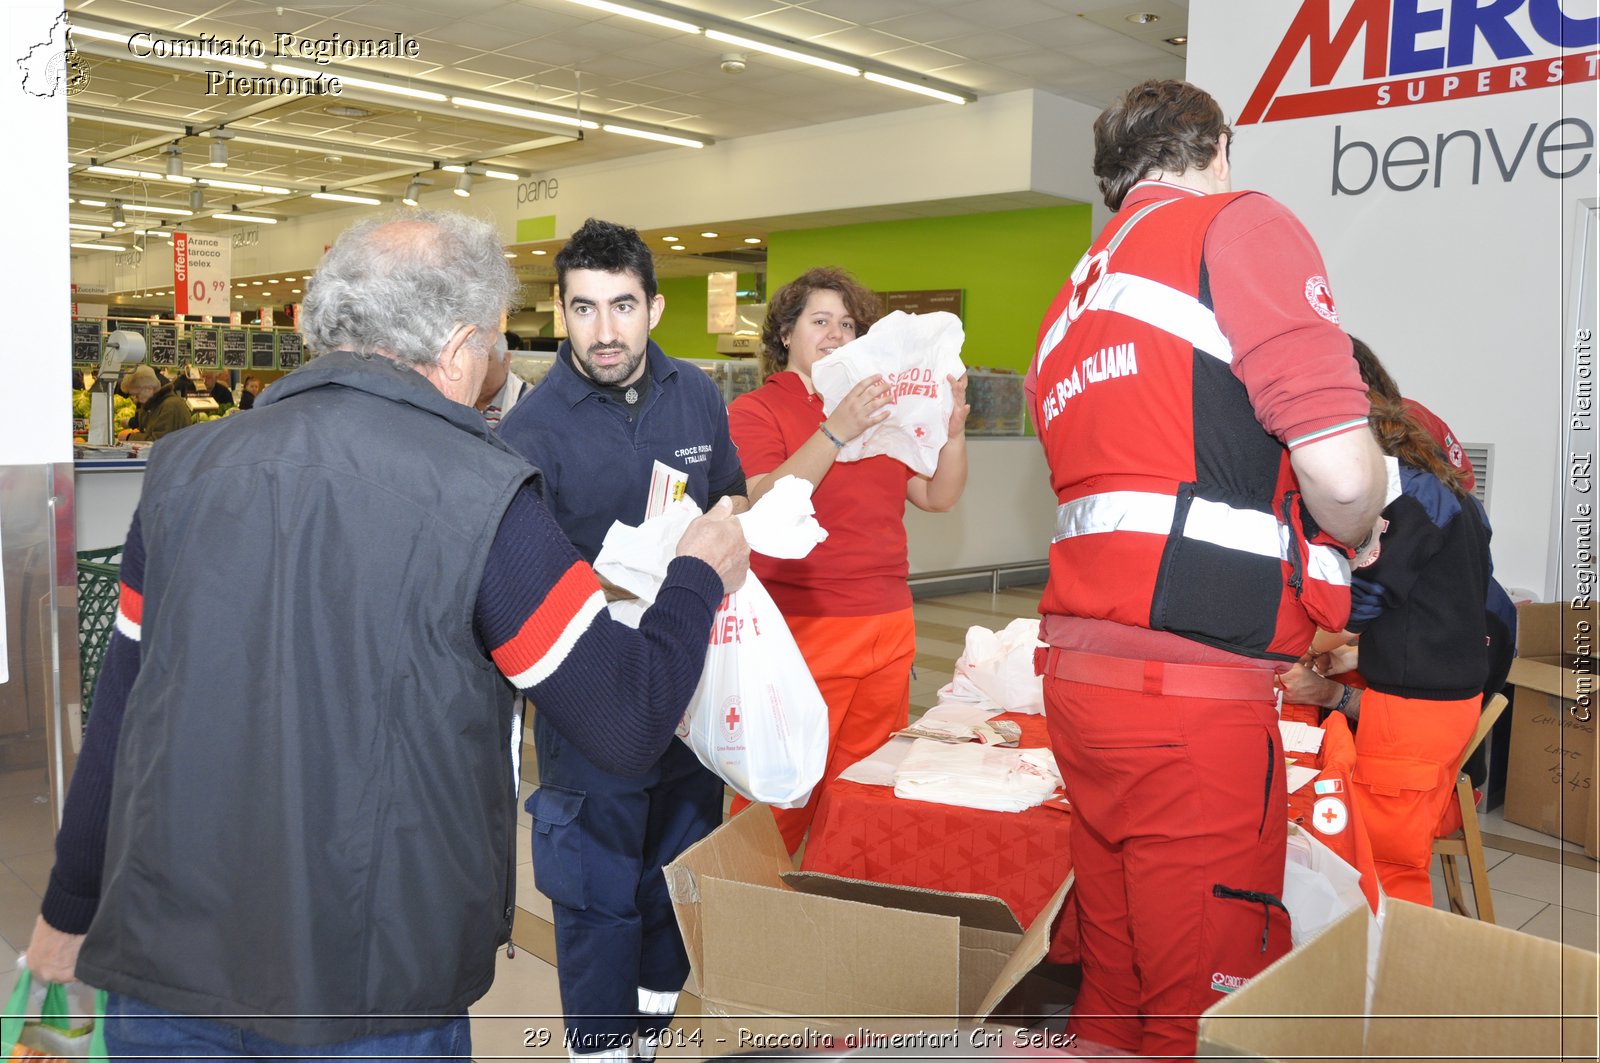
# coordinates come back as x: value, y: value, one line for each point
x: 101, y: 247
x: 784, y: 53
x: 91, y: 202
x: 118, y: 219
x: 197, y: 198
x: 1177, y: 42
x: 463, y: 185
x: 232, y: 216
x: 538, y: 252
x: 672, y: 239
x: 341, y: 197
x: 154, y: 208
x: 677, y: 247
x: 645, y: 134
x: 92, y: 228
x: 242, y: 186
x: 643, y: 16
x: 1143, y: 18
x: 117, y: 171
x: 911, y: 86
x: 752, y: 239
x: 413, y: 190
x: 174, y: 154
x: 510, y: 254
x: 710, y: 235
x: 219, y: 148
x: 479, y: 171
x: 524, y: 112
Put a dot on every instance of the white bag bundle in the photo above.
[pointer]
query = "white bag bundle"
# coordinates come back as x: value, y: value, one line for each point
x: 993, y: 778
x: 1319, y: 886
x: 996, y: 668
x: 914, y: 353
x: 756, y: 719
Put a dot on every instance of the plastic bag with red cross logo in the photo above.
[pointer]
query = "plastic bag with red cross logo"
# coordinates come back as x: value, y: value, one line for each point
x: 757, y: 718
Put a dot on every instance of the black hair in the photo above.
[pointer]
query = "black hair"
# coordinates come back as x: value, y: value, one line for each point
x: 609, y: 248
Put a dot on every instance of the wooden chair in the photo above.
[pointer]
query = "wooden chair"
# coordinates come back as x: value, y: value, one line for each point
x: 1467, y: 841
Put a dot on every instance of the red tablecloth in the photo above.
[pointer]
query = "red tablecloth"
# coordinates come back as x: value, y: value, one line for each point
x: 867, y: 832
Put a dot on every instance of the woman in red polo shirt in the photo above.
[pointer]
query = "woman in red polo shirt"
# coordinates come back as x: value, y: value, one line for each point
x: 848, y: 602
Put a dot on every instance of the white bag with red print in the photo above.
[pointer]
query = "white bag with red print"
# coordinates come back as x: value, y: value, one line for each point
x: 757, y: 718
x: 915, y: 354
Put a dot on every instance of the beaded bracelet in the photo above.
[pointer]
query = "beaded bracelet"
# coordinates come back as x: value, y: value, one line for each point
x: 1344, y: 699
x: 835, y: 440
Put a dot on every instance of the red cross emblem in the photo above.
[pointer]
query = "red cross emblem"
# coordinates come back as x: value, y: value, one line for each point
x: 1093, y: 274
x: 732, y: 718
x: 919, y: 431
x: 1329, y: 815
x: 1321, y: 298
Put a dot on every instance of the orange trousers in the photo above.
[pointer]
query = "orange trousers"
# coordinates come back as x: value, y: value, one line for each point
x: 1407, y: 753
x: 862, y: 666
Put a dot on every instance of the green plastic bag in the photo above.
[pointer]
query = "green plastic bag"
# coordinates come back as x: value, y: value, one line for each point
x: 55, y: 1034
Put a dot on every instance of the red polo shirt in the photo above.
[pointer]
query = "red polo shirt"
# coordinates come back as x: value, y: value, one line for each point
x: 860, y: 569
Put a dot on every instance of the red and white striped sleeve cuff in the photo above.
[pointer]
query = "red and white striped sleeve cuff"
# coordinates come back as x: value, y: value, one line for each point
x: 130, y: 611
x: 542, y: 643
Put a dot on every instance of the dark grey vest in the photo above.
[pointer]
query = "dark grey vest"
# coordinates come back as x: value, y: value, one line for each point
x: 313, y: 811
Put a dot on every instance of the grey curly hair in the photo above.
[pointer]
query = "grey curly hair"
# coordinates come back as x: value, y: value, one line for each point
x: 403, y: 285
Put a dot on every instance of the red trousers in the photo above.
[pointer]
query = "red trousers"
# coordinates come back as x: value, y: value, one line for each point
x: 1407, y: 753
x: 1179, y: 828
x: 862, y: 666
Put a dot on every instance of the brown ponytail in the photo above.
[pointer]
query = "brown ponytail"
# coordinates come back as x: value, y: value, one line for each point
x: 1400, y: 436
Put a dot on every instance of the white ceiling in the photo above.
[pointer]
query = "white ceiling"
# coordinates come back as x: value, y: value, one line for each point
x: 568, y: 59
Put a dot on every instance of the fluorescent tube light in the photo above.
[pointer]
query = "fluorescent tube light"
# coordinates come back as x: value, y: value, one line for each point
x: 783, y: 53
x: 643, y: 16
x: 645, y: 134
x: 229, y: 216
x: 524, y: 112
x: 911, y: 86
x: 341, y: 197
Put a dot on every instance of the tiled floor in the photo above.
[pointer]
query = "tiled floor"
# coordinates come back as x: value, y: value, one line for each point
x: 1539, y: 885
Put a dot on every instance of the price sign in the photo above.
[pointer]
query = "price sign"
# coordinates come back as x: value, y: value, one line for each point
x: 262, y: 350
x: 163, y: 345
x: 234, y: 349
x: 207, y: 351
x: 201, y: 273
x: 289, y: 350
x: 86, y: 343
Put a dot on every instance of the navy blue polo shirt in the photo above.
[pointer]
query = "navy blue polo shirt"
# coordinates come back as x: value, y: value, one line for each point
x: 597, y: 464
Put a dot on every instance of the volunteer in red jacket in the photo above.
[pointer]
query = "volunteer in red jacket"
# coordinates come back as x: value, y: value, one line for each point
x: 1206, y: 432
x: 847, y: 603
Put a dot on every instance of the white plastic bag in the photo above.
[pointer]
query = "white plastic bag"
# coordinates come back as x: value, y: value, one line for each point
x: 914, y: 353
x: 756, y: 719
x: 996, y: 668
x: 1318, y: 886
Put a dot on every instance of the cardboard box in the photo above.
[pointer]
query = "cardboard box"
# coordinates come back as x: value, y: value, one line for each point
x: 778, y: 953
x: 1445, y: 988
x: 1550, y: 778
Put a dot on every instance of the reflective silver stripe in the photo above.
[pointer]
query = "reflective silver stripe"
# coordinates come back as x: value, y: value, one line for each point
x: 1328, y: 565
x: 1237, y: 529
x: 1122, y: 233
x: 1165, y: 308
x: 1134, y: 511
x: 652, y: 1002
x: 1058, y: 328
x: 1218, y: 523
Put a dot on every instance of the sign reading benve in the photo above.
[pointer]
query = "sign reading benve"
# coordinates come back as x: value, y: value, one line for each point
x: 201, y: 273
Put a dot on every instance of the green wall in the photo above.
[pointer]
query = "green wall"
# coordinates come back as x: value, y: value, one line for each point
x: 1009, y: 264
x: 682, y: 331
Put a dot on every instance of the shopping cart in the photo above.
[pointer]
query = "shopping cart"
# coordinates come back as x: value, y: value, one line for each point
x: 97, y: 614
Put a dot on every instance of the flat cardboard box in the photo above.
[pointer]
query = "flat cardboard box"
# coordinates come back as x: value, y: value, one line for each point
x: 1446, y: 987
x: 1550, y: 779
x: 779, y: 953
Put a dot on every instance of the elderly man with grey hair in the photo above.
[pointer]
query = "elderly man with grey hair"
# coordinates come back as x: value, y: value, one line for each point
x: 311, y: 854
